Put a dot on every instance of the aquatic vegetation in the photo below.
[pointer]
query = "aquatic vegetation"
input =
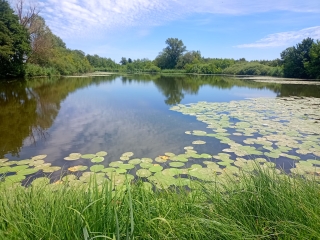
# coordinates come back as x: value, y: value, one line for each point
x: 257, y: 132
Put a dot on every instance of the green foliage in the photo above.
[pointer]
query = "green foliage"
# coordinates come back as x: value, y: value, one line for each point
x: 262, y: 205
x: 253, y: 68
x: 188, y: 58
x: 100, y: 63
x: 14, y: 42
x: 170, y: 55
x: 33, y: 70
x: 313, y: 65
x: 294, y: 59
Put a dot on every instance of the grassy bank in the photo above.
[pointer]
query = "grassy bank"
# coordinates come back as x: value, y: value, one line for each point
x: 264, y: 205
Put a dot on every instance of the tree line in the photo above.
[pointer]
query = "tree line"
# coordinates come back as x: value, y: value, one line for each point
x: 29, y: 48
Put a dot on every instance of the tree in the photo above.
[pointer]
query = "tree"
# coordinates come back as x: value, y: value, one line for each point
x: 294, y: 59
x: 14, y: 42
x: 313, y: 65
x: 129, y: 60
x: 169, y: 56
x: 123, y: 61
x: 188, y: 57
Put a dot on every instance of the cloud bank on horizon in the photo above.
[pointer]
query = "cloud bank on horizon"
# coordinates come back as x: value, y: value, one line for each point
x: 67, y: 17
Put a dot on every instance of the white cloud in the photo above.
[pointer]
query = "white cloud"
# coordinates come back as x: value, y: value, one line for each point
x: 67, y: 17
x: 284, y: 38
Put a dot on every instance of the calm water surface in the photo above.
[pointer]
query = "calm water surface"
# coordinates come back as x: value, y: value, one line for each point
x: 116, y: 114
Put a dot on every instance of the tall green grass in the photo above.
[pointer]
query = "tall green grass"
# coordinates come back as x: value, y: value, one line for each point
x: 261, y: 206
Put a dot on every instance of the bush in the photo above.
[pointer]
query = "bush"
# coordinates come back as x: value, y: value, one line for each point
x: 33, y: 70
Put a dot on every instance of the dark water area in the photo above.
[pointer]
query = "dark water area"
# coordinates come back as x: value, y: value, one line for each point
x: 116, y: 114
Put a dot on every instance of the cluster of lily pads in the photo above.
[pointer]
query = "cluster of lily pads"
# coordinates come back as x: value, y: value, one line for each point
x: 273, y: 128
x: 256, y: 132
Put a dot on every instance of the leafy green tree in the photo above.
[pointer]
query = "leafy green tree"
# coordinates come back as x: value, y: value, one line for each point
x: 14, y: 42
x: 129, y: 60
x: 313, y: 65
x: 169, y: 56
x: 294, y: 59
x: 188, y: 57
x: 123, y: 61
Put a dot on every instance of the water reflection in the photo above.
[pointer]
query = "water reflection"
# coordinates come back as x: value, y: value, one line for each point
x: 128, y: 114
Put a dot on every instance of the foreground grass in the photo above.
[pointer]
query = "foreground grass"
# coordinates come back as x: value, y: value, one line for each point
x: 261, y: 206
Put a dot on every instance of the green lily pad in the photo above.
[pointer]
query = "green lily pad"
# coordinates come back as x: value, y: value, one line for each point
x: 124, y: 158
x: 101, y: 154
x: 23, y: 162
x: 70, y: 159
x: 176, y: 164
x: 75, y: 155
x: 77, y: 168
x: 156, y: 168
x: 115, y: 164
x: 107, y: 170
x: 19, y: 168
x: 36, y: 163
x: 146, y: 165
x: 135, y: 161
x: 143, y: 173
x: 126, y: 166
x: 127, y: 154
x: 121, y: 170
x: 14, y: 178
x: 196, y: 166
x: 198, y: 142
x: 39, y: 157
x: 51, y: 169
x: 27, y: 171
x: 169, y: 154
x: 161, y: 160
x: 146, y: 160
x: 69, y: 177
x: 188, y: 148
x: 88, y: 156
x: 97, y: 159
x: 5, y: 170
x: 96, y: 168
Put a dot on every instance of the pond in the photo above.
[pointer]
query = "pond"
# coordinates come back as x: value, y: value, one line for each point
x: 133, y: 113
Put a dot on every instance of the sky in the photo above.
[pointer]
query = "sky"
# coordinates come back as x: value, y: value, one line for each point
x: 253, y: 29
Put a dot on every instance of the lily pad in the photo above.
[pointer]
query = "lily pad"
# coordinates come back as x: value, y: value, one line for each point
x: 75, y: 155
x: 88, y: 156
x: 27, y: 171
x: 101, y: 154
x: 107, y: 170
x: 146, y: 165
x: 143, y: 173
x: 126, y: 166
x: 176, y: 164
x: 198, y: 142
x: 51, y: 169
x: 146, y: 160
x: 169, y: 154
x: 97, y: 159
x: 14, y: 178
x: 96, y: 168
x: 39, y: 157
x: 115, y: 164
x: 135, y: 161
x: 77, y: 168
x: 157, y: 168
x: 127, y: 154
x: 69, y: 177
x: 19, y: 168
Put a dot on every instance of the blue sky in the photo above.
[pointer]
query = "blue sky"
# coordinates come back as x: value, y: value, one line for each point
x: 253, y: 29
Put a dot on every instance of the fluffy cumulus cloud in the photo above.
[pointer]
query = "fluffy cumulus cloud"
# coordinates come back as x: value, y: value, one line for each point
x: 284, y: 38
x: 69, y: 17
